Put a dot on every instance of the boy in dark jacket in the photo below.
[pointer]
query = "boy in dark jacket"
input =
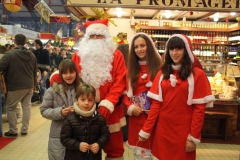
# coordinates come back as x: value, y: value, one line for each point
x: 84, y: 132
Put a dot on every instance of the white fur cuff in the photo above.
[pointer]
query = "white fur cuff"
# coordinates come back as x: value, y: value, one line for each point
x: 195, y: 141
x: 130, y: 109
x: 106, y: 103
x: 144, y: 134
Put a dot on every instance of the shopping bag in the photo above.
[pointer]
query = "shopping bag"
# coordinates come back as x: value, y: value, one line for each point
x: 3, y: 83
x: 142, y: 153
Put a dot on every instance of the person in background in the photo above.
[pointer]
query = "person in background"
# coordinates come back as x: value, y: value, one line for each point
x: 62, y: 56
x: 3, y: 49
x: 7, y: 46
x: 20, y: 67
x: 103, y: 67
x: 180, y: 93
x: 124, y: 48
x: 74, y: 135
x: 12, y: 47
x: 58, y: 104
x: 143, y: 64
x: 42, y: 55
x: 19, y: 106
x: 54, y: 57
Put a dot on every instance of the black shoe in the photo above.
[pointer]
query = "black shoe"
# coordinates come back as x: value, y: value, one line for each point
x: 23, y: 134
x: 7, y: 134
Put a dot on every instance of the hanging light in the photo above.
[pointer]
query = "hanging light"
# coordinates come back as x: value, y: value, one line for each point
x: 232, y: 13
x: 119, y: 12
x: 215, y: 19
x: 167, y: 13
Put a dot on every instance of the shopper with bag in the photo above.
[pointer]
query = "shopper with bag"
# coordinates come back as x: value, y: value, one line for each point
x: 143, y: 64
x: 20, y: 67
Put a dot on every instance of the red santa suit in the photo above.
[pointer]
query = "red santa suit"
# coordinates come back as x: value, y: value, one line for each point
x: 177, y: 111
x: 136, y: 122
x: 108, y: 96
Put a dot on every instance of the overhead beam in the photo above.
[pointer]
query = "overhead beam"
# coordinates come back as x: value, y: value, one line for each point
x: 205, y: 16
x: 181, y: 15
x: 156, y: 14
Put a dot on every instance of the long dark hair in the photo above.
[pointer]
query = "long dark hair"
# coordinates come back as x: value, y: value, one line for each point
x: 153, y: 60
x: 65, y: 65
x: 186, y: 67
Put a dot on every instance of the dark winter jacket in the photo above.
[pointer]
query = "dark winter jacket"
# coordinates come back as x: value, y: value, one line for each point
x: 20, y: 67
x: 77, y: 129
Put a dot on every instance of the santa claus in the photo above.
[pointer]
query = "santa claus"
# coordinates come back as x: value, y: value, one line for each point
x: 102, y: 66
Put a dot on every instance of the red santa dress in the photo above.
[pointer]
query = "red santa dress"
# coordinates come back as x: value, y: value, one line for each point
x: 108, y: 95
x: 136, y: 123
x: 177, y: 111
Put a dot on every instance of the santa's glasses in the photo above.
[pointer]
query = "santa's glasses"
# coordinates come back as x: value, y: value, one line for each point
x: 96, y: 36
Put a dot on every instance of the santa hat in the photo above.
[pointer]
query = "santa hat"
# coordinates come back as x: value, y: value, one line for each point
x: 187, y: 43
x: 96, y: 27
x: 55, y: 77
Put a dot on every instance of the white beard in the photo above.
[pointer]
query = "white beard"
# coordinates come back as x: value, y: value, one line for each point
x: 96, y: 61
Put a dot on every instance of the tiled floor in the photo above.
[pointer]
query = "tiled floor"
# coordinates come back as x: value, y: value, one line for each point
x: 34, y: 145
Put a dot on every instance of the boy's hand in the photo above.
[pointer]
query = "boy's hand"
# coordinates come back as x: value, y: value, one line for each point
x: 84, y: 146
x: 190, y: 146
x: 94, y: 148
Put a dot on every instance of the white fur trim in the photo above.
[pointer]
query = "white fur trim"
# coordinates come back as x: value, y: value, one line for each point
x: 195, y: 140
x: 208, y: 99
x: 173, y: 80
x: 130, y: 91
x: 96, y: 26
x: 190, y: 54
x: 97, y: 98
x: 144, y: 134
x: 190, y: 89
x: 117, y: 126
x: 130, y: 109
x: 153, y: 96
x: 54, y: 73
x: 160, y: 88
x: 106, y: 103
x: 144, y: 76
x: 149, y: 84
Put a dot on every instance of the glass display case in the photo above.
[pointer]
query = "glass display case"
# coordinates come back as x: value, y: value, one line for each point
x: 223, y: 78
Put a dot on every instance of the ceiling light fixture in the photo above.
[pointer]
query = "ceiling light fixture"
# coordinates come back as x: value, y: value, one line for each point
x: 215, y: 19
x: 232, y: 13
x: 167, y: 13
x: 119, y: 12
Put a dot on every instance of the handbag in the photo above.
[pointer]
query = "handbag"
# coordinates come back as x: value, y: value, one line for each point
x: 3, y: 83
x: 142, y: 153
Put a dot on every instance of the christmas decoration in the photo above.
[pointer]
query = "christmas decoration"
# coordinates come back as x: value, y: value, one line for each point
x: 191, y: 12
x: 13, y: 5
x: 78, y: 33
x: 227, y: 20
x: 44, y: 11
x: 121, y: 38
x: 100, y: 14
x: 3, y: 30
x: 208, y: 19
x: 60, y: 18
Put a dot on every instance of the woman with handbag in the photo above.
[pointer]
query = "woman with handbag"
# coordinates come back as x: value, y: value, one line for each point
x: 143, y: 64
